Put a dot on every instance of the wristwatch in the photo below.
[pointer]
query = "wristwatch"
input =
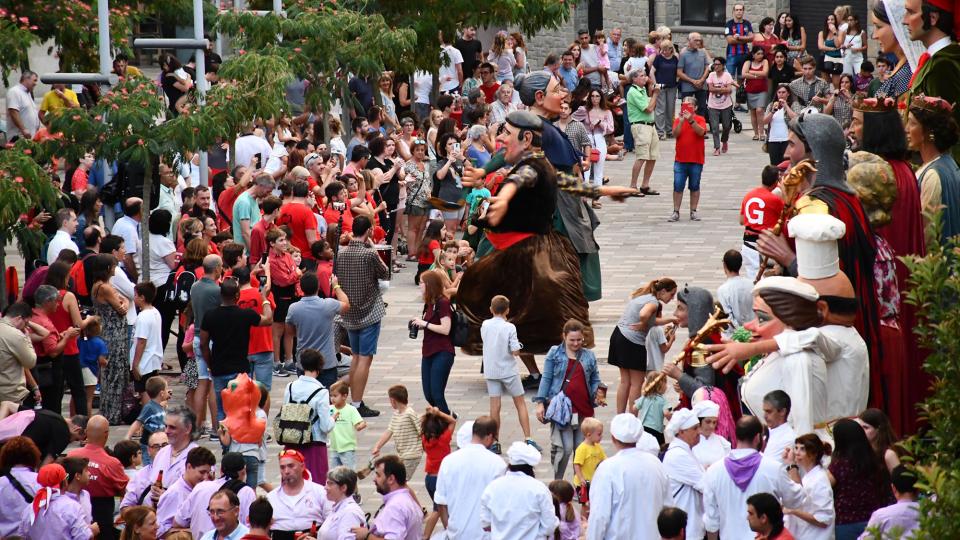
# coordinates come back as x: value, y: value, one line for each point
x: 793, y: 466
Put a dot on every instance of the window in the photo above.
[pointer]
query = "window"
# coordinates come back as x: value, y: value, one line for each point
x: 703, y: 12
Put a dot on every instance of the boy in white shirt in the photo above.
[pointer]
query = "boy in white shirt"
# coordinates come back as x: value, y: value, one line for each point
x: 146, y: 353
x: 500, y: 348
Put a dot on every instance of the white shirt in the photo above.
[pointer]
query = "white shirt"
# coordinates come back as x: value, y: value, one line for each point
x: 237, y: 534
x: 60, y: 241
x: 725, y: 505
x: 848, y: 365
x: 299, y: 390
x: 247, y: 146
x: 781, y: 437
x: 462, y: 477
x: 160, y: 247
x: 298, y: 512
x: 711, y: 449
x: 148, y: 327
x: 818, y: 502
x: 627, y: 493
x: 20, y: 100
x: 655, y: 338
x: 129, y: 229
x: 933, y: 49
x: 499, y: 343
x: 422, y: 86
x: 448, y: 70
x: 124, y: 286
x: 192, y: 511
x: 736, y: 298
x: 802, y: 375
x: 170, y: 202
x: 518, y: 507
x: 686, y: 484
x: 590, y: 58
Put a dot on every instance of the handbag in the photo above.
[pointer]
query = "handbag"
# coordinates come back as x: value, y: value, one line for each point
x: 594, y: 153
x: 560, y: 409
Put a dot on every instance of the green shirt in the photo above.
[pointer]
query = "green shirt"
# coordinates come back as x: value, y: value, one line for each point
x: 245, y: 208
x: 343, y: 438
x: 637, y: 103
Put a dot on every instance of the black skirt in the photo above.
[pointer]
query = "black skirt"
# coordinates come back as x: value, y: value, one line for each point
x: 284, y: 297
x: 626, y: 354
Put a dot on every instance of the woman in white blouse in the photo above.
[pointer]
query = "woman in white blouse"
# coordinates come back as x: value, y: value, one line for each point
x: 712, y: 447
x: 814, y: 519
x: 347, y: 514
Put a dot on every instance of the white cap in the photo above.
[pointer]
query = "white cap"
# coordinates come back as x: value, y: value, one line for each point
x: 521, y: 453
x: 626, y: 428
x: 648, y: 443
x: 682, y: 419
x: 817, y: 251
x: 465, y: 434
x: 788, y: 285
x: 706, y: 409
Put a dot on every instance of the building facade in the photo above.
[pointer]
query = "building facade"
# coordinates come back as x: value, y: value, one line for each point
x: 638, y: 17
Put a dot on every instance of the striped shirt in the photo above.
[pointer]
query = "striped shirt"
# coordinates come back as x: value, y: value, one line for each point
x: 405, y: 428
x: 734, y: 28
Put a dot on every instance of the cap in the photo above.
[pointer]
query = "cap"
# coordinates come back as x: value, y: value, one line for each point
x: 818, y: 255
x: 706, y: 409
x: 788, y: 285
x: 232, y: 463
x: 521, y: 453
x: 525, y: 120
x: 682, y: 419
x: 465, y: 434
x: 648, y: 443
x: 626, y: 428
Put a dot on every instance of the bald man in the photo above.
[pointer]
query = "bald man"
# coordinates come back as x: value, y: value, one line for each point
x: 107, y: 478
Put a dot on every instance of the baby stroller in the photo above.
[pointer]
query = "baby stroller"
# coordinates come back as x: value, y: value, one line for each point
x: 735, y: 124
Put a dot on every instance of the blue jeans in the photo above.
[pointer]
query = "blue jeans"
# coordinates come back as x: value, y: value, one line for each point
x: 253, y: 470
x: 849, y: 531
x: 683, y: 171
x: 261, y: 368
x: 347, y: 459
x: 219, y: 383
x: 434, y: 372
x: 735, y: 65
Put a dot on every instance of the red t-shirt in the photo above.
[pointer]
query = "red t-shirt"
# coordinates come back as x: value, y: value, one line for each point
x: 324, y: 271
x: 107, y: 478
x: 225, y: 205
x: 428, y: 257
x: 258, y: 240
x: 261, y: 337
x: 300, y: 219
x: 761, y: 209
x: 79, y: 181
x: 578, y: 391
x: 331, y: 216
x: 689, y: 144
x: 490, y: 92
x: 436, y: 450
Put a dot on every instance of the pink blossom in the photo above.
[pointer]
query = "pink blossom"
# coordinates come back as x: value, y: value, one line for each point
x: 297, y: 49
x: 241, y: 52
x: 18, y: 179
x: 27, y: 151
x: 24, y: 20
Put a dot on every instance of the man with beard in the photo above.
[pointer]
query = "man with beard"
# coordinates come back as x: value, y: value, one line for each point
x: 401, y: 515
x: 298, y: 502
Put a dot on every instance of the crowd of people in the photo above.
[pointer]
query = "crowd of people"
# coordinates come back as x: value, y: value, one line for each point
x: 798, y: 376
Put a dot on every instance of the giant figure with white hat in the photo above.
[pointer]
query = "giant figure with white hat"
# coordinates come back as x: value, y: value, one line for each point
x: 629, y: 488
x: 684, y: 470
x: 517, y: 506
x: 785, y: 306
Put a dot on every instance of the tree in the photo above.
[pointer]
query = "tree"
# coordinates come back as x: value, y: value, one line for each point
x: 935, y: 291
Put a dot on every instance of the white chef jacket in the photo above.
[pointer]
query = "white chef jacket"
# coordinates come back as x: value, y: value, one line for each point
x: 725, y: 506
x: 818, y: 502
x: 686, y: 484
x: 711, y: 450
x: 463, y: 476
x: 299, y: 512
x: 627, y: 493
x: 848, y: 365
x: 518, y: 507
x: 802, y: 375
x: 782, y: 436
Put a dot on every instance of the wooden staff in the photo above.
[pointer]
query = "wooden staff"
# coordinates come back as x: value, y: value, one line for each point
x: 791, y: 184
x: 714, y: 325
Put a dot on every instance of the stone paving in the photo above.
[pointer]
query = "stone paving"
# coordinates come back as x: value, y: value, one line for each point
x: 637, y: 244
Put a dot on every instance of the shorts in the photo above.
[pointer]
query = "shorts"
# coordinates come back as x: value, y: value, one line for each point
x: 190, y: 374
x: 347, y: 459
x: 832, y: 66
x: 203, y: 372
x: 430, y: 482
x: 646, y: 142
x: 141, y: 385
x: 453, y: 214
x: 682, y: 172
x: 261, y: 368
x: 416, y: 211
x: 284, y: 298
x: 363, y: 341
x: 411, y: 466
x: 89, y: 379
x: 510, y: 386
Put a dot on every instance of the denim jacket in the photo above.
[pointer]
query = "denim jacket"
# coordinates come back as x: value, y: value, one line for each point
x: 555, y: 367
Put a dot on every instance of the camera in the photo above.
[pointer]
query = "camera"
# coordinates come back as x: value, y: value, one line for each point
x: 339, y: 206
x: 414, y: 329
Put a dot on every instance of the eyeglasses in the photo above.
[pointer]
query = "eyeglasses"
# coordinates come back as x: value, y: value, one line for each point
x: 419, y: 141
x: 158, y: 446
x: 220, y: 513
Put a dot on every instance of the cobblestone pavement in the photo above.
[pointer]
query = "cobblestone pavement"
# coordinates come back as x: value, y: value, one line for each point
x: 637, y: 244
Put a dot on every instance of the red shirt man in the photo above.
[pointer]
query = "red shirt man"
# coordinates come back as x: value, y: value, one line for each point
x: 301, y: 220
x: 760, y: 209
x: 107, y: 478
x: 261, y: 337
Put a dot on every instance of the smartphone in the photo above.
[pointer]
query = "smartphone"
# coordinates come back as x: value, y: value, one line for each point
x: 258, y: 164
x: 263, y: 258
x: 686, y: 107
x: 456, y: 148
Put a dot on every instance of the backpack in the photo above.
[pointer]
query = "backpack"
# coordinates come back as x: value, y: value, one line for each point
x: 294, y: 423
x: 78, y: 278
x: 179, y: 293
x: 459, y: 327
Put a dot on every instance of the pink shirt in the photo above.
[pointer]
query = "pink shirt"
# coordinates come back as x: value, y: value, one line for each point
x: 169, y: 504
x: 61, y: 519
x: 172, y: 471
x: 12, y: 501
x: 719, y: 101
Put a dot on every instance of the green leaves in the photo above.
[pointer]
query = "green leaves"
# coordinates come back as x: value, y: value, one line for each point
x: 24, y: 184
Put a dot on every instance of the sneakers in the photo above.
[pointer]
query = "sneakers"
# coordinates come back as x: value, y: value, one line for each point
x: 280, y: 371
x: 675, y: 216
x: 531, y: 382
x: 367, y: 412
x: 693, y: 216
x: 534, y: 444
x: 495, y: 448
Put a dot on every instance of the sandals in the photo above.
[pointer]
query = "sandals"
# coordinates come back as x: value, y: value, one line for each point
x: 648, y: 191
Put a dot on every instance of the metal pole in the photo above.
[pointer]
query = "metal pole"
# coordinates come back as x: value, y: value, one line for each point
x: 103, y: 27
x: 201, y: 63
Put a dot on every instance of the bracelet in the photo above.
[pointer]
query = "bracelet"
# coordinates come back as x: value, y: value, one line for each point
x: 337, y: 286
x: 265, y: 303
x: 792, y: 467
